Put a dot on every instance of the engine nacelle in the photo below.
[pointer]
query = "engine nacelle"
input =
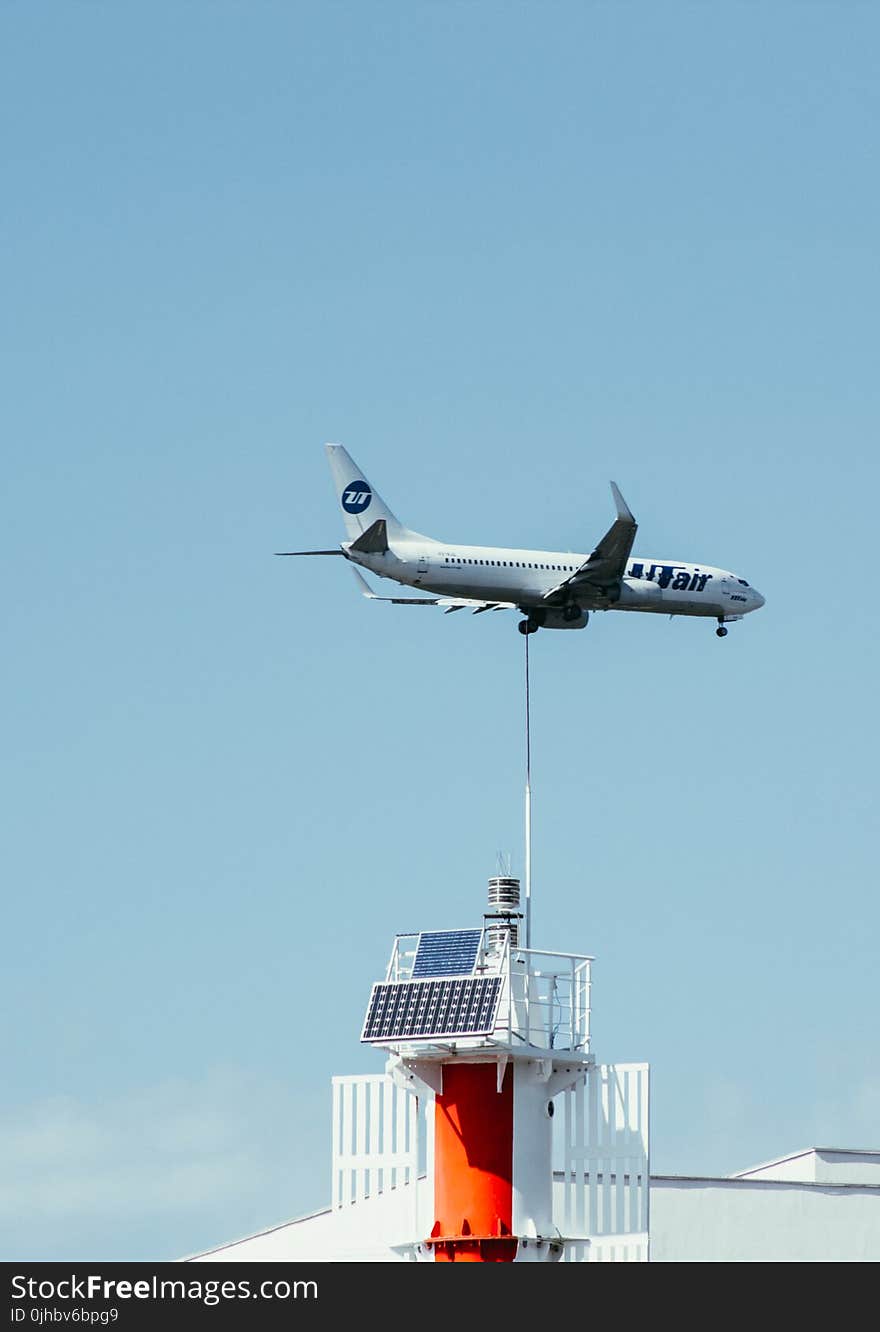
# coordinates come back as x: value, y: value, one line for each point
x: 639, y: 592
x: 555, y: 619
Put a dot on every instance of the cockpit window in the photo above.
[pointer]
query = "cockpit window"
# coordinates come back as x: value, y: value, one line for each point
x: 743, y: 581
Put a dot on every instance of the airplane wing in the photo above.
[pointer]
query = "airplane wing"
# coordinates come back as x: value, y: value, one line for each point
x: 448, y: 603
x: 602, y: 572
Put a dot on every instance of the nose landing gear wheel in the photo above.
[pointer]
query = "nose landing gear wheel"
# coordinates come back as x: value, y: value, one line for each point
x: 721, y: 631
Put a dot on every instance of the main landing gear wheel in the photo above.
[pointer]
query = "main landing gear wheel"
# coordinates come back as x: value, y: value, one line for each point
x: 572, y: 612
x: 528, y: 627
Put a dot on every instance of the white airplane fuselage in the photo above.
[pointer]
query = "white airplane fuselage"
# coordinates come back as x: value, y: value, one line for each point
x: 553, y: 589
x: 491, y: 573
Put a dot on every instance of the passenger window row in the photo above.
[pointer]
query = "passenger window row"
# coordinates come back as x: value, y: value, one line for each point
x: 512, y: 564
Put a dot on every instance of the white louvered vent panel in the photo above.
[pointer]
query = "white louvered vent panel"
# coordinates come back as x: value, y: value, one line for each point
x: 602, y: 1174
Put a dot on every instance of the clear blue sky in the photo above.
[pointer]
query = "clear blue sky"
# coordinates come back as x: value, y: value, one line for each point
x: 503, y: 252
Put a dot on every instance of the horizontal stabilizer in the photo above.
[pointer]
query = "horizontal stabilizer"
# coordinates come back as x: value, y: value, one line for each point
x: 374, y: 541
x: 367, y: 591
x: 448, y: 603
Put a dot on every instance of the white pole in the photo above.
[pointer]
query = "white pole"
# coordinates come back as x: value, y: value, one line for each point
x: 528, y: 806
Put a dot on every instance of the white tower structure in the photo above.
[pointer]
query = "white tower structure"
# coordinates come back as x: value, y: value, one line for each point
x: 490, y: 1093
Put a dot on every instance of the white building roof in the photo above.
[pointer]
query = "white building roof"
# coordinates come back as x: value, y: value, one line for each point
x: 821, y: 1204
x: 820, y: 1165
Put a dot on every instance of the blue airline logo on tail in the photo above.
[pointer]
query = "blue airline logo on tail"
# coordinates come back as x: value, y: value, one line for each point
x: 356, y: 497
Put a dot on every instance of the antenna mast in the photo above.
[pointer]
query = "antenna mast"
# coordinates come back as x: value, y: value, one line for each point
x: 528, y: 810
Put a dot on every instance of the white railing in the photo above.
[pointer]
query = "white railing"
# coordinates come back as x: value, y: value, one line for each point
x: 545, y: 999
x: 403, y: 955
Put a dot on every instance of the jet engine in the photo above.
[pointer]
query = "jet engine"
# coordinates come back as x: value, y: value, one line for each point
x: 639, y: 592
x: 557, y: 619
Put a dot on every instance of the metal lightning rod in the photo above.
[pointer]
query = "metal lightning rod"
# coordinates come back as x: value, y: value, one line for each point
x: 528, y: 810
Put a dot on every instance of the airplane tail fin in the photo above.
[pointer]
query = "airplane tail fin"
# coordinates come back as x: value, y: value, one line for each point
x: 360, y: 505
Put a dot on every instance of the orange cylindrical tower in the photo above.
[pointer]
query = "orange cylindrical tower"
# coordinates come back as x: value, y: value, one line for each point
x: 473, y: 1166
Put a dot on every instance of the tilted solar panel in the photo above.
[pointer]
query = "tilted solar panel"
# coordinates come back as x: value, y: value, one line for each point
x: 446, y: 953
x: 407, y: 1010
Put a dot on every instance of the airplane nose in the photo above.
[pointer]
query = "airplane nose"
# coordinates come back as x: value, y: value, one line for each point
x: 759, y: 600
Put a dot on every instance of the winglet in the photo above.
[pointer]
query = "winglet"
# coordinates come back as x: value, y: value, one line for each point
x: 364, y: 585
x: 623, y: 509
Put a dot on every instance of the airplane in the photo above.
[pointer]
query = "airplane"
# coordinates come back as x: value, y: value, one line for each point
x: 551, y: 589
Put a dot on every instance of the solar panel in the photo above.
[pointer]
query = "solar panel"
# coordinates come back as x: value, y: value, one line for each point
x: 446, y: 953
x: 412, y: 1009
